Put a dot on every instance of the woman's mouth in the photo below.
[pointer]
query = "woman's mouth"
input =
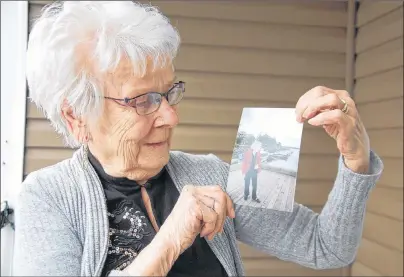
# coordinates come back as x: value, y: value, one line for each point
x: 157, y: 144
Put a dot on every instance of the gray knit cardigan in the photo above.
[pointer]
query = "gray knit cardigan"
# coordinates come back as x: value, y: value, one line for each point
x: 62, y: 225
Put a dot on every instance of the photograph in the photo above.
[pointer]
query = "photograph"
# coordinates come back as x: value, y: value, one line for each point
x: 265, y: 159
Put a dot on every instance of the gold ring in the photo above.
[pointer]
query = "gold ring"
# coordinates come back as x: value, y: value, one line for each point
x: 345, y: 108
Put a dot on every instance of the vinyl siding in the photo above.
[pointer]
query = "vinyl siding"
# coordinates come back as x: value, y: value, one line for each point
x: 236, y: 55
x: 379, y: 96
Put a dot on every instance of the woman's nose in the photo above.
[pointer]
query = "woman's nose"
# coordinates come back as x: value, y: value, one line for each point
x: 168, y: 114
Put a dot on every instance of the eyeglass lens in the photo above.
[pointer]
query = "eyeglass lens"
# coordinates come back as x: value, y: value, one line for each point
x: 150, y: 102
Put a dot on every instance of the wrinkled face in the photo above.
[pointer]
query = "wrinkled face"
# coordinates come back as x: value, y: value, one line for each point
x: 123, y: 138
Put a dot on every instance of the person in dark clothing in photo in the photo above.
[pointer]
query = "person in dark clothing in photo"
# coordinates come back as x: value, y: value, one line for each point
x: 251, y: 166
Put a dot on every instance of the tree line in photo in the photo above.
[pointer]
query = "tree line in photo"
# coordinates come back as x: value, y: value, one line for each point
x: 269, y: 145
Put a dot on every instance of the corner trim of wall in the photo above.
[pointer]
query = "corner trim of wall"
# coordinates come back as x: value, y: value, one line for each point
x: 350, y: 68
x: 350, y: 47
x: 14, y: 31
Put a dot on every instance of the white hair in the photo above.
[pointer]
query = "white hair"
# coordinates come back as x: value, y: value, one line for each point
x: 114, y: 29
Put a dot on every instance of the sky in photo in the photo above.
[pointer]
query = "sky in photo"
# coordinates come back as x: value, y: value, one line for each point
x: 279, y: 123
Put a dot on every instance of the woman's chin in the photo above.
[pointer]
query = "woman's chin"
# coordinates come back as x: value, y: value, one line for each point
x: 155, y: 156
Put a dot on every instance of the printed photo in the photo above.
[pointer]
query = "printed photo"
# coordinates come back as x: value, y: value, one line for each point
x: 265, y: 159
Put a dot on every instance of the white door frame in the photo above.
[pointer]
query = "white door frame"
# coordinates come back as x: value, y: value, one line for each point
x: 14, y: 36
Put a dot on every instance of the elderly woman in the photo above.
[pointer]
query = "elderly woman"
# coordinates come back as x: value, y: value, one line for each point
x: 124, y: 204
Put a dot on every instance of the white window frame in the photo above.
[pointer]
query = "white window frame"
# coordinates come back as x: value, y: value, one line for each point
x: 14, y: 37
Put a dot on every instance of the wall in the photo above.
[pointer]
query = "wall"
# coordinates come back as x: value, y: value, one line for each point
x: 236, y: 55
x: 14, y: 25
x: 379, y: 96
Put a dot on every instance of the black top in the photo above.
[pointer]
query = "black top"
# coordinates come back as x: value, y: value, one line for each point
x: 131, y: 230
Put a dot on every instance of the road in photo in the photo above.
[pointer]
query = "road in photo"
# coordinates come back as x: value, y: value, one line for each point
x: 275, y: 183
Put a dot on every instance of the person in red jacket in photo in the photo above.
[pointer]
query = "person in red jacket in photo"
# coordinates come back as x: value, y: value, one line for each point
x: 251, y: 166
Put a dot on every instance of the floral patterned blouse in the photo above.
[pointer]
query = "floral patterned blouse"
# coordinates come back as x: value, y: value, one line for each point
x: 130, y: 229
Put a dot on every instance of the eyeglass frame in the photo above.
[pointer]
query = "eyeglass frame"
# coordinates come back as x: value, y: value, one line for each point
x: 164, y: 94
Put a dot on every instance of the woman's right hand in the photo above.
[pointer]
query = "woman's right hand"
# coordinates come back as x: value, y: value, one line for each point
x: 199, y: 210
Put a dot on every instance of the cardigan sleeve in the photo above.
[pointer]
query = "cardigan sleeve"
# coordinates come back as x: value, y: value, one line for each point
x: 45, y: 242
x: 326, y: 240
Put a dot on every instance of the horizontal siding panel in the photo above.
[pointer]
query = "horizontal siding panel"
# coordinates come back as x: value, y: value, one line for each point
x: 385, y: 231
x: 384, y: 201
x: 394, y: 194
x: 312, y: 192
x: 248, y: 252
x: 393, y: 173
x: 271, y: 62
x: 251, y: 34
x: 189, y: 138
x: 385, y: 57
x: 373, y: 88
x: 386, y: 28
x: 40, y: 157
x: 371, y: 10
x: 359, y: 269
x: 382, y: 114
x: 251, y: 87
x: 316, y: 209
x: 387, y: 143
x: 256, y: 267
x: 223, y: 113
x: 370, y: 253
x: 258, y: 35
x: 216, y: 112
x: 311, y: 14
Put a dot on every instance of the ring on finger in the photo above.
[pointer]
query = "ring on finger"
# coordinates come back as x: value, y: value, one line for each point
x: 346, y: 107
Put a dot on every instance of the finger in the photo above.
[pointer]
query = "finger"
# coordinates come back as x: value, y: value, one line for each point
x: 329, y: 101
x: 212, y: 190
x: 222, y: 205
x: 343, y: 94
x: 308, y: 97
x: 329, y: 117
x: 209, y: 218
x: 218, y: 206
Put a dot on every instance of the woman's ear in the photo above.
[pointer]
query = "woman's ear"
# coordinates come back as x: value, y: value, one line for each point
x: 76, y: 125
x: 68, y: 116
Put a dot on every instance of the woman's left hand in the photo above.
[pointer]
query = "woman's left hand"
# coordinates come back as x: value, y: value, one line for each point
x: 336, y: 112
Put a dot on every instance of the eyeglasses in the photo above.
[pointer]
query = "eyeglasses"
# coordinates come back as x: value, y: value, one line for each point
x: 150, y: 102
